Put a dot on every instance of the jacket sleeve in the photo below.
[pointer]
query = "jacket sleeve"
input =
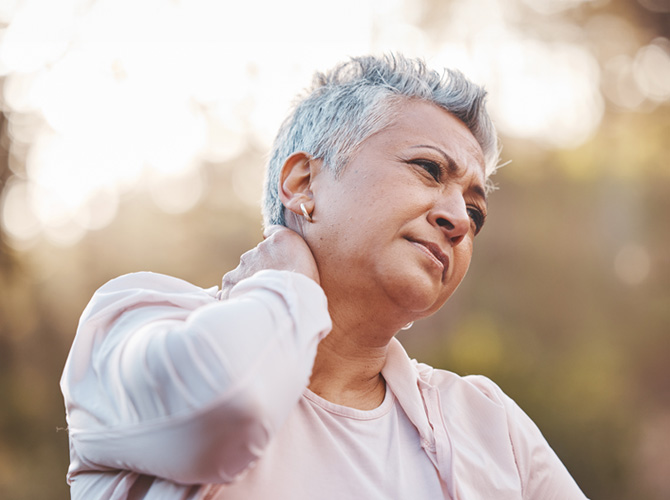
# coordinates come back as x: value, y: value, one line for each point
x: 164, y: 379
x: 543, y: 475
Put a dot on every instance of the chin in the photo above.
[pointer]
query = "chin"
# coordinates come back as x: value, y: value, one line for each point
x: 421, y: 298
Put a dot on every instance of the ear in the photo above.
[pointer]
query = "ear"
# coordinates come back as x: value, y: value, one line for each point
x: 295, y: 181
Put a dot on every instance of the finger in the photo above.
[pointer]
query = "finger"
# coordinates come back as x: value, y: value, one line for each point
x: 270, y: 230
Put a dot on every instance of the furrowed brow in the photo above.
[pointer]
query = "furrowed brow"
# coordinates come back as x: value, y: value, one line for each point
x: 481, y: 192
x: 451, y: 164
x: 453, y: 168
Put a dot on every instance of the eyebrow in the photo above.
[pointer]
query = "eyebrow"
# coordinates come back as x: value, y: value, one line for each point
x: 453, y: 168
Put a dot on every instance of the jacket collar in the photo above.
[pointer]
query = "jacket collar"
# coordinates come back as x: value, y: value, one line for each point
x: 402, y: 375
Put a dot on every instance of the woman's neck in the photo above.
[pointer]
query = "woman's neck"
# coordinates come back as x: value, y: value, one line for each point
x: 347, y: 370
x: 349, y: 361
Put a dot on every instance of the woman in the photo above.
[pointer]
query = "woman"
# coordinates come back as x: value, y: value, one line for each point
x: 288, y: 383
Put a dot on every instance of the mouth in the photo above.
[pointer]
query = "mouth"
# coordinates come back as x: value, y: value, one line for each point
x: 434, y: 252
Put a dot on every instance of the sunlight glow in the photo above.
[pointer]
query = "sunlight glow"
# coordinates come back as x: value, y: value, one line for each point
x: 175, y: 194
x: 95, y: 114
x: 554, y: 98
x: 554, y: 6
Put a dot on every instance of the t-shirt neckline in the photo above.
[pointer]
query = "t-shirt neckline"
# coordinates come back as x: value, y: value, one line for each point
x: 346, y: 411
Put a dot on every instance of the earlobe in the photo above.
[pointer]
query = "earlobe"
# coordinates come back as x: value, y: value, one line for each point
x: 295, y: 181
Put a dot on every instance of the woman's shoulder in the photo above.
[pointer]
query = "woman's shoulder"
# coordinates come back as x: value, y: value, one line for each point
x: 461, y: 386
x: 146, y: 289
x: 133, y: 290
x: 146, y: 280
x: 452, y: 388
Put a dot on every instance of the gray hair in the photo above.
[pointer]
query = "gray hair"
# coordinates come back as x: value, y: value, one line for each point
x: 358, y: 98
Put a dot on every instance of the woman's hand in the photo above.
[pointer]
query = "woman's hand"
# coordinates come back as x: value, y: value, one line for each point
x: 282, y: 249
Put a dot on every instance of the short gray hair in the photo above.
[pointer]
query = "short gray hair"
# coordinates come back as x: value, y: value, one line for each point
x: 358, y: 98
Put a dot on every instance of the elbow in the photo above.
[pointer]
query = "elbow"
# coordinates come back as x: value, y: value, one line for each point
x: 214, y: 445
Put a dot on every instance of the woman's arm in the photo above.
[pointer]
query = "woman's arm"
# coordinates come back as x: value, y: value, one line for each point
x: 543, y: 475
x: 164, y: 379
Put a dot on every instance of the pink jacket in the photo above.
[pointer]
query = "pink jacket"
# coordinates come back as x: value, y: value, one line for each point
x: 152, y: 371
x: 483, y: 445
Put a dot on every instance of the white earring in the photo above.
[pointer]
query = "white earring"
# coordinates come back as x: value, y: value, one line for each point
x: 408, y: 326
x: 305, y: 213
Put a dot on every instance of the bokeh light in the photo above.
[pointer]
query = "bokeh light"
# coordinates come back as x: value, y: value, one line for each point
x: 632, y: 264
x: 651, y: 69
x: 105, y: 102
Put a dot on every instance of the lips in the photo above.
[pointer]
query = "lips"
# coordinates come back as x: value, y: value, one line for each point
x: 433, y: 251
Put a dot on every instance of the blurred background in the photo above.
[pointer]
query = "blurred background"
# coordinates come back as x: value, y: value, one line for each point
x: 133, y: 136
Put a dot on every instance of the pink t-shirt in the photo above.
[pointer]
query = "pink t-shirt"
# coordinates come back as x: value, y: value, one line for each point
x: 171, y: 393
x: 328, y: 451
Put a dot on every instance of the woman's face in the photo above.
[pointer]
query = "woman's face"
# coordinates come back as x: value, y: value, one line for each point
x: 394, y: 232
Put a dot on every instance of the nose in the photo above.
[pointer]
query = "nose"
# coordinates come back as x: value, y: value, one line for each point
x: 451, y: 216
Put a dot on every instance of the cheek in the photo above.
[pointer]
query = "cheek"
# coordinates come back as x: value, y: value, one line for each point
x: 461, y: 262
x: 462, y: 258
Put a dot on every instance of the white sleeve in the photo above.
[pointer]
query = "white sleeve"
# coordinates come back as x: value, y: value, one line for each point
x: 163, y: 379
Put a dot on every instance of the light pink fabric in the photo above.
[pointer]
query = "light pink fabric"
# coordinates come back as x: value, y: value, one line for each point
x: 327, y: 451
x: 173, y: 394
